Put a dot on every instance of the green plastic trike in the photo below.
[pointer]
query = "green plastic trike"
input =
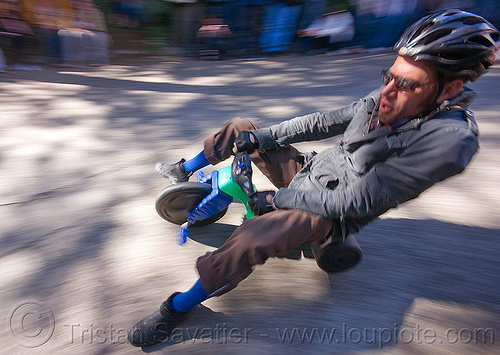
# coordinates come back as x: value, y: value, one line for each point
x: 207, y: 200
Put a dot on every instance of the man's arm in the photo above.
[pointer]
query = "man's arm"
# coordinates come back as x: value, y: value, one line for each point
x: 312, y: 127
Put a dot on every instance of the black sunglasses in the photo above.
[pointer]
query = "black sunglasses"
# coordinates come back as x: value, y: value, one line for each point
x: 402, y: 84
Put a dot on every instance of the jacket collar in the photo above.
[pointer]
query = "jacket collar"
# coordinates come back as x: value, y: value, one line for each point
x: 463, y: 99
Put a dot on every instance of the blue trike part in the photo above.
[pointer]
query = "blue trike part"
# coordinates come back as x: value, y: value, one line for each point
x: 183, y: 234
x: 242, y: 173
x: 212, y: 204
x: 231, y: 182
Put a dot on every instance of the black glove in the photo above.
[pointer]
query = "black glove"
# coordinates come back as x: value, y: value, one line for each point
x: 259, y: 203
x: 246, y: 141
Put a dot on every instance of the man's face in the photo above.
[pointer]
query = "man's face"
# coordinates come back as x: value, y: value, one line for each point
x: 395, y: 104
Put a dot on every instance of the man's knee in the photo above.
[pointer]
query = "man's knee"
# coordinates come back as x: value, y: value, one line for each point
x: 239, y: 124
x: 219, y: 146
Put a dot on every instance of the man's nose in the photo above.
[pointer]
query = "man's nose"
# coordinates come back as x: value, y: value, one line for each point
x: 390, y: 89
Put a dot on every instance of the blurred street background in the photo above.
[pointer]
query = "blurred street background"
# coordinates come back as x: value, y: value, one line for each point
x: 86, y: 32
x: 84, y: 255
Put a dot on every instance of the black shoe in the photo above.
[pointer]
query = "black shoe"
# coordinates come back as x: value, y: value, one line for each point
x: 174, y: 172
x: 158, y: 326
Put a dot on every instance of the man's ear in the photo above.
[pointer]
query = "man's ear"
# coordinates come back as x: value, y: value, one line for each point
x: 450, y: 90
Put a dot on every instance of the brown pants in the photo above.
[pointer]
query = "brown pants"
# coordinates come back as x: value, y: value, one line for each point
x: 257, y: 239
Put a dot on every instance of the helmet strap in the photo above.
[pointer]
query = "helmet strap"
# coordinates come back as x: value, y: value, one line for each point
x: 439, y: 90
x: 440, y: 85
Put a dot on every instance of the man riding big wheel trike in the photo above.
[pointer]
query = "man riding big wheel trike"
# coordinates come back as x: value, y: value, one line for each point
x: 207, y: 200
x: 402, y: 138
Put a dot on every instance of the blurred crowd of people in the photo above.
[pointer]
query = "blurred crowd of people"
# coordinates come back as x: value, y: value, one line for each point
x: 312, y: 26
x: 67, y: 32
x: 74, y: 32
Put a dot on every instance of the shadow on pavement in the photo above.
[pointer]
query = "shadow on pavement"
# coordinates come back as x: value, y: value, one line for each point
x: 404, y: 261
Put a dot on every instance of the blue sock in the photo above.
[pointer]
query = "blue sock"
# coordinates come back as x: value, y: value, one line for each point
x: 185, y: 302
x: 196, y: 163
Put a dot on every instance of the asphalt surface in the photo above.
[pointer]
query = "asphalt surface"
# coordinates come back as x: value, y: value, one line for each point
x: 84, y: 256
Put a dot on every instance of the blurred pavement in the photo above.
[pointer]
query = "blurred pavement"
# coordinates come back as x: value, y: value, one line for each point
x: 84, y: 255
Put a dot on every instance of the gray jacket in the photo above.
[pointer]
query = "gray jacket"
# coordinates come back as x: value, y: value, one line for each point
x: 370, y: 172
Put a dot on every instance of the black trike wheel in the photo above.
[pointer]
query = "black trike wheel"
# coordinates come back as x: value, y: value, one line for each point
x: 337, y: 256
x: 175, y: 202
